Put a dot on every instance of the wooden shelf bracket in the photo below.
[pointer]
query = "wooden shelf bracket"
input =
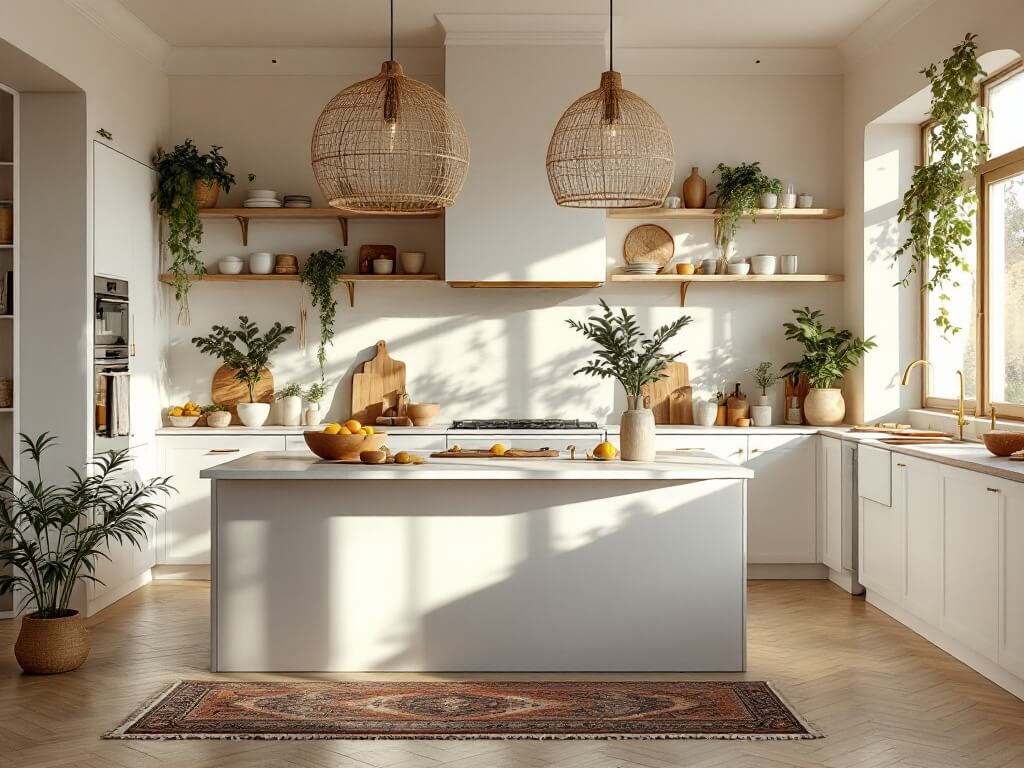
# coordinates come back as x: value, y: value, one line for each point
x: 351, y: 286
x: 683, y: 287
x: 243, y: 222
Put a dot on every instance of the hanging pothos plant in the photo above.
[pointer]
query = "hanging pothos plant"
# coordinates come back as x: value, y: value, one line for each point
x: 321, y: 273
x: 177, y: 174
x: 940, y: 203
x: 739, y: 192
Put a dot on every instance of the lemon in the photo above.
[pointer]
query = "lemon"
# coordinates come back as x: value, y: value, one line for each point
x: 403, y: 457
x: 605, y: 451
x: 368, y: 430
x: 332, y: 429
x: 177, y: 411
x: 344, y: 430
x: 353, y: 426
x: 498, y: 449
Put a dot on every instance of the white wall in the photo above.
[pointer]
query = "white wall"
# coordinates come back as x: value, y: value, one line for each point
x: 508, y: 352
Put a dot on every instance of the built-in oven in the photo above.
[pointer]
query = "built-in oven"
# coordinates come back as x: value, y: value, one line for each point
x: 111, y: 347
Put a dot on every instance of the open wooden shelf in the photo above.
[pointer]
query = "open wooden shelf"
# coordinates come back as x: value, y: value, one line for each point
x: 349, y: 281
x: 244, y: 215
x: 522, y: 284
x: 685, y: 281
x: 710, y: 214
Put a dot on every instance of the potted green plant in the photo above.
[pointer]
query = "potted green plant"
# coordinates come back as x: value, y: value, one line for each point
x: 320, y: 275
x: 632, y: 358
x: 53, y: 537
x: 313, y: 394
x: 828, y: 355
x: 249, y: 365
x: 290, y: 398
x: 739, y: 193
x: 187, y: 182
x: 761, y: 412
x: 940, y: 202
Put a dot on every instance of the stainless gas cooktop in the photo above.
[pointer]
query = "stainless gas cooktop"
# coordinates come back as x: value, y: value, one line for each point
x: 539, y: 424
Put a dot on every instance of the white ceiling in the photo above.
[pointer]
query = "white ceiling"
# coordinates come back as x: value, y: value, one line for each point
x: 364, y: 23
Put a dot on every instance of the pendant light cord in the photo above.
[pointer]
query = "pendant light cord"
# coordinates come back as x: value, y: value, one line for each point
x: 391, y: 54
x: 611, y: 35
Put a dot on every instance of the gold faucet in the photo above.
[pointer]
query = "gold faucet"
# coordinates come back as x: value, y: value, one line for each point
x: 992, y: 413
x: 961, y: 411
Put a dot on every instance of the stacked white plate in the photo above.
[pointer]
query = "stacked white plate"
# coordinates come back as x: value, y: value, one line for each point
x: 643, y: 268
x: 298, y: 201
x: 262, y: 198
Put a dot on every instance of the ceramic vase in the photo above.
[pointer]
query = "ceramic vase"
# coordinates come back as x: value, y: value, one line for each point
x: 253, y: 414
x: 218, y: 419
x: 291, y: 411
x: 695, y: 189
x: 769, y: 200
x: 824, y: 407
x: 636, y: 433
x: 311, y: 416
x: 706, y: 412
x: 761, y: 415
x: 49, y: 646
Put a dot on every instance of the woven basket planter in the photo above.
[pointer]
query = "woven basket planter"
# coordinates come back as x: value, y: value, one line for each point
x: 49, y: 646
x: 207, y: 193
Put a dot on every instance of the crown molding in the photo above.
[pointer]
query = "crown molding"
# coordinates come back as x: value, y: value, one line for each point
x: 355, y: 63
x: 523, y: 28
x: 117, y: 21
x: 879, y: 28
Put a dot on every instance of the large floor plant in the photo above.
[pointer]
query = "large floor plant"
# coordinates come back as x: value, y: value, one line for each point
x: 940, y: 204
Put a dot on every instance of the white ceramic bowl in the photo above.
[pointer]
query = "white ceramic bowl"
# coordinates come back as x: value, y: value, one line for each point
x: 739, y: 268
x: 262, y: 194
x: 763, y: 264
x: 383, y: 266
x: 183, y: 421
x: 230, y: 266
x: 261, y: 263
x: 412, y: 262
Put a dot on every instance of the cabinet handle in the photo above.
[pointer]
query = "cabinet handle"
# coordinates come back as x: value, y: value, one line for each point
x: 901, y: 465
x: 738, y: 451
x: 223, y: 450
x: 701, y: 448
x: 992, y: 490
x: 752, y: 450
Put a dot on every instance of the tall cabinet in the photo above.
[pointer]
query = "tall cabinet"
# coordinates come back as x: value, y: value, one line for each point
x: 8, y: 290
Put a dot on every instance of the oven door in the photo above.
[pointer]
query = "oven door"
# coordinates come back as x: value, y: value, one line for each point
x: 111, y: 326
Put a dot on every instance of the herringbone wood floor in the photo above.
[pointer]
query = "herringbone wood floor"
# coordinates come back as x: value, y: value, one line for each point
x: 884, y: 696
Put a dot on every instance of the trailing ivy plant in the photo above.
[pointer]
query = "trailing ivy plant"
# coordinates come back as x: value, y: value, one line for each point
x: 739, y: 191
x: 828, y: 353
x: 248, y: 364
x: 177, y: 173
x: 940, y: 203
x: 320, y: 275
x: 624, y: 352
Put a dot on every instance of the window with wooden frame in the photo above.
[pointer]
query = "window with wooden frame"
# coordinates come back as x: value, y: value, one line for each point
x: 988, y: 302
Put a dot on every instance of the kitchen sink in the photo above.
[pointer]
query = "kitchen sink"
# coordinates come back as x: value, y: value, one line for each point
x: 953, y: 443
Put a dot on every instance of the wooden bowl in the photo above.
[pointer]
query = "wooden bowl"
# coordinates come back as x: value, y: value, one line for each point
x: 1003, y: 443
x: 422, y: 414
x: 343, y: 447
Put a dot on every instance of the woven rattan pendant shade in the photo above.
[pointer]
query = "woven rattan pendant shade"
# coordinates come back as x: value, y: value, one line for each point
x: 610, y: 149
x: 390, y: 144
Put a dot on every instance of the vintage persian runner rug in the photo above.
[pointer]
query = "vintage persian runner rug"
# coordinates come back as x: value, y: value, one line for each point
x: 201, y: 709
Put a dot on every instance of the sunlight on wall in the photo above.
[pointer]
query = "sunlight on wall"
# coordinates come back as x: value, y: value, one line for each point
x: 881, y: 180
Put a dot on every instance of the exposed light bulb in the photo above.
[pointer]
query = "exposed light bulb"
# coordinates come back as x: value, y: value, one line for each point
x: 392, y: 131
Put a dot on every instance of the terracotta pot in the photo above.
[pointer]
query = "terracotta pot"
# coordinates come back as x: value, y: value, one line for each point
x: 49, y: 646
x: 636, y: 433
x: 695, y: 189
x: 824, y: 407
x: 206, y: 193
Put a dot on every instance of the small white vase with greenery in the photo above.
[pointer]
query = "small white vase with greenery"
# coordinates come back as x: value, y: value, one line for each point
x: 54, y: 535
x: 248, y: 365
x: 828, y: 355
x: 313, y: 394
x: 290, y: 400
x: 635, y: 360
x: 761, y: 411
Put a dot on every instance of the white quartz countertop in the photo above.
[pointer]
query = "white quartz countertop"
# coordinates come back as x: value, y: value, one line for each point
x: 269, y: 465
x: 272, y: 429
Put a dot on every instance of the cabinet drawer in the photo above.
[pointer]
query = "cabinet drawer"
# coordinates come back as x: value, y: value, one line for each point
x: 729, y: 447
x: 874, y: 474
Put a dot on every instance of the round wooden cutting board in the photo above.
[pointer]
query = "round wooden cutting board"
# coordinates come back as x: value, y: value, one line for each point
x: 648, y: 242
x: 227, y: 391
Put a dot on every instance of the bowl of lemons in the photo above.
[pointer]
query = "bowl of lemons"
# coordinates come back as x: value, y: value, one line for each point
x: 344, y: 441
x: 184, y: 415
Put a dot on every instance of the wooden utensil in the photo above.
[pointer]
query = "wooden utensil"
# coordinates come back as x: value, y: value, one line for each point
x: 511, y: 453
x: 660, y: 394
x: 798, y: 390
x: 228, y: 392
x: 648, y: 242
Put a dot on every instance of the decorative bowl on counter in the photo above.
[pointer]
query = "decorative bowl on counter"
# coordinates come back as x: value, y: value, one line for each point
x: 422, y: 414
x: 218, y: 419
x: 343, y: 447
x: 183, y: 421
x: 1003, y: 443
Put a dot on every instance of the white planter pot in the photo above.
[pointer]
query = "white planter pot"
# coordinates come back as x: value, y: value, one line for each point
x: 788, y: 200
x: 763, y: 400
x: 769, y: 200
x: 291, y: 411
x: 761, y: 415
x: 824, y: 407
x: 705, y: 412
x: 311, y: 416
x: 636, y: 435
x: 218, y: 419
x: 253, y: 414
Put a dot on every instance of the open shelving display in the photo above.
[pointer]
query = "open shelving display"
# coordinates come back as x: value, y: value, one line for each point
x: 710, y: 214
x: 9, y: 425
x: 685, y: 281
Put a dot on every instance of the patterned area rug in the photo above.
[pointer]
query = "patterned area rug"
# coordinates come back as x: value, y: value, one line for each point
x: 200, y: 709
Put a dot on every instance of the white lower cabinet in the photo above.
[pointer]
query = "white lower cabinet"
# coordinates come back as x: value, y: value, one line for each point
x: 781, y: 525
x: 830, y: 501
x: 882, y: 552
x: 1011, y: 582
x: 919, y: 486
x: 729, y: 447
x: 185, y: 527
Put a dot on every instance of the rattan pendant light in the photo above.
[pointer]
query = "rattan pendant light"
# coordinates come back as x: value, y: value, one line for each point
x: 390, y: 144
x: 610, y: 149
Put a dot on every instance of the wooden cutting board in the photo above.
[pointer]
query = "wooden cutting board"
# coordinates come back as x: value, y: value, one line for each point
x: 661, y: 395
x: 227, y: 391
x: 511, y: 453
x: 367, y: 397
x: 391, y: 374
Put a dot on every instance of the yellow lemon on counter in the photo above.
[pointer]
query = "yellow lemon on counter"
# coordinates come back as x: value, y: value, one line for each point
x: 332, y: 429
x: 403, y: 457
x: 368, y: 430
x: 177, y: 411
x: 353, y: 426
x: 605, y: 451
x: 498, y: 449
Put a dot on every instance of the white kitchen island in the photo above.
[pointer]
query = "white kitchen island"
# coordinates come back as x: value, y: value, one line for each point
x: 478, y: 565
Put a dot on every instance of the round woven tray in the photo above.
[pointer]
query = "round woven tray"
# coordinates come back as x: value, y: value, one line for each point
x: 648, y: 242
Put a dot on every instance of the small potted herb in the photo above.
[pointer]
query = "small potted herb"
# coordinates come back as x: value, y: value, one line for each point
x: 290, y: 398
x: 761, y: 412
x: 320, y: 275
x: 248, y: 365
x: 828, y: 355
x: 313, y: 395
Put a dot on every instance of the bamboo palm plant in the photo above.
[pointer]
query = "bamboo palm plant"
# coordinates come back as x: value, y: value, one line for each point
x: 55, y: 534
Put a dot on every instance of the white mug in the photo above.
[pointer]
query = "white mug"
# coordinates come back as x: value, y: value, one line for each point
x: 787, y: 263
x: 671, y: 202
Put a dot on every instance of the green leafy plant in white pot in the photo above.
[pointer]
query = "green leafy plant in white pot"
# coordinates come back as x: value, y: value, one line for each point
x: 53, y: 537
x: 249, y: 365
x: 761, y: 411
x: 313, y: 394
x: 290, y: 403
x: 632, y: 358
x: 828, y: 355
